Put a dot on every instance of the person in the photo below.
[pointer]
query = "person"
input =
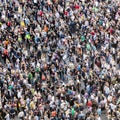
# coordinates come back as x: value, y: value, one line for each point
x: 7, y: 117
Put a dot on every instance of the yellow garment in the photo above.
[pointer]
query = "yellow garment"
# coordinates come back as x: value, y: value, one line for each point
x: 20, y: 10
x: 32, y: 105
x: 78, y: 105
x: 6, y: 42
x: 22, y: 23
x: 19, y: 104
x: 0, y: 23
x: 82, y: 17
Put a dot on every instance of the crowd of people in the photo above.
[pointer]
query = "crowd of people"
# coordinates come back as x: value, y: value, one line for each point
x: 60, y: 59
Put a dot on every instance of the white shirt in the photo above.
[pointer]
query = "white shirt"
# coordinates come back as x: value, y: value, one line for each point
x: 57, y: 15
x: 109, y: 98
x: 107, y: 90
x: 19, y: 94
x: 96, y: 3
x: 113, y: 107
x: 36, y: 118
x: 7, y: 117
x: 98, y: 118
x: 35, y: 1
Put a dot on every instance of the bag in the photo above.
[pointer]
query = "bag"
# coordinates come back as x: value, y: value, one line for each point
x: 43, y: 77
